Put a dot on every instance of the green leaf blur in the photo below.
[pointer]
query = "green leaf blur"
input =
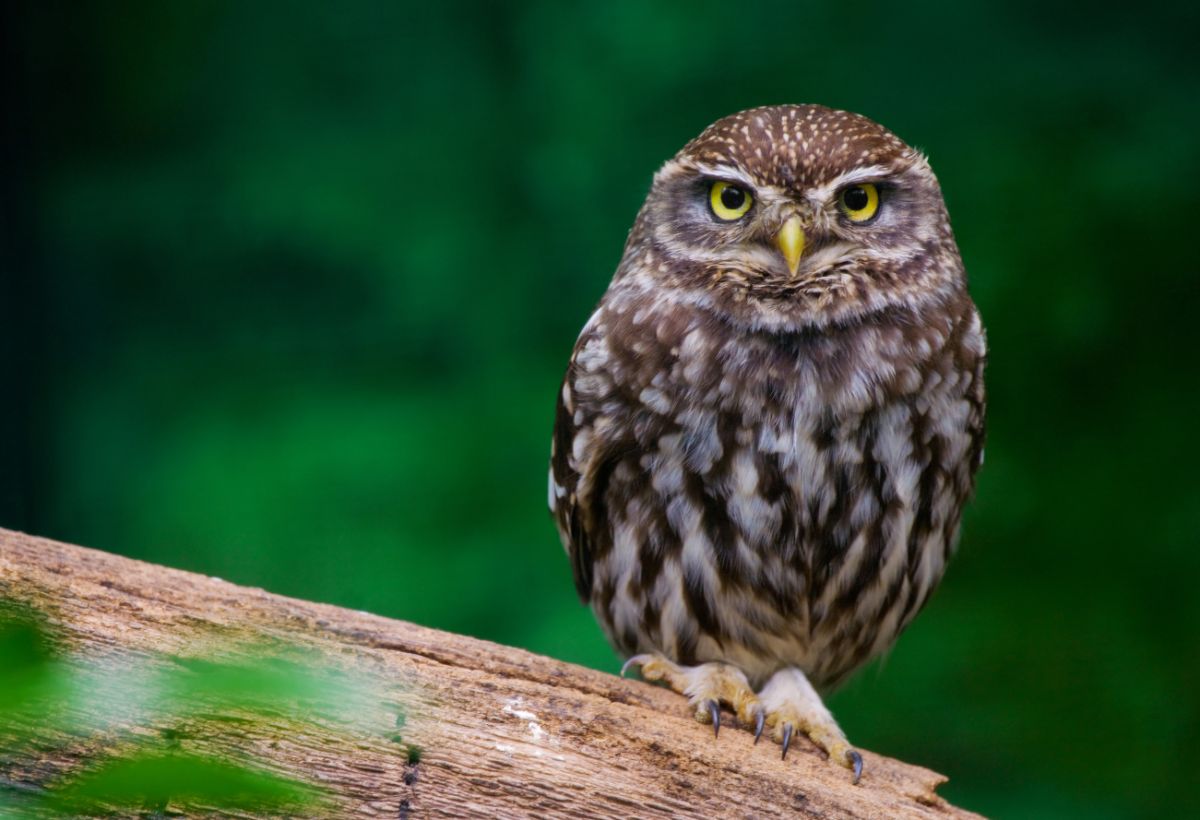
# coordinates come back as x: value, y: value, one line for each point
x: 152, y: 780
x: 132, y: 723
x: 25, y: 658
x: 288, y: 289
x: 31, y: 679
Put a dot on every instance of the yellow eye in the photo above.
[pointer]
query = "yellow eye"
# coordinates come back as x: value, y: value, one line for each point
x: 729, y: 202
x: 859, y: 202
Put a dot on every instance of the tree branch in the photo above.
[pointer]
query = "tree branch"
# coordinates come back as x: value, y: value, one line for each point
x: 488, y: 729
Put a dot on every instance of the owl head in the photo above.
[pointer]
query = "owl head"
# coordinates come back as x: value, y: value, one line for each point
x: 796, y: 215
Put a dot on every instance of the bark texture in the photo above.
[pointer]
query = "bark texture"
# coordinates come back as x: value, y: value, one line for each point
x: 488, y: 730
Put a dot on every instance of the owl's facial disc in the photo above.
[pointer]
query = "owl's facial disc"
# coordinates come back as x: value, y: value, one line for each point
x: 773, y: 238
x: 731, y: 224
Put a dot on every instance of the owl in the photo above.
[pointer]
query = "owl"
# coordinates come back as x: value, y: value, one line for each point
x: 770, y: 424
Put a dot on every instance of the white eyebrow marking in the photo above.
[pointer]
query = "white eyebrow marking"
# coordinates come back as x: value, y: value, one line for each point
x: 823, y: 194
x: 726, y: 172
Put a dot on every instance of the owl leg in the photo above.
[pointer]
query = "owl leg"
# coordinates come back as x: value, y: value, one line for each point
x: 706, y: 687
x: 793, y: 705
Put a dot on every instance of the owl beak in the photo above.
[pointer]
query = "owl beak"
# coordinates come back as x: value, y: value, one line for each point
x: 790, y: 240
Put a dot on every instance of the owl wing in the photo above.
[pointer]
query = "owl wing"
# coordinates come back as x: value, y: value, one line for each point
x: 977, y: 397
x: 584, y: 454
x: 571, y: 513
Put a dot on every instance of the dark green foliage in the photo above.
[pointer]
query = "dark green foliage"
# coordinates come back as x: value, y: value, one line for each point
x: 290, y: 287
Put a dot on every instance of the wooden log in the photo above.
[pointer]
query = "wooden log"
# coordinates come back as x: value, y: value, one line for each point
x: 489, y: 730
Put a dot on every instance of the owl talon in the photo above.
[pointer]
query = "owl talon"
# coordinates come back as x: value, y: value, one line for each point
x: 714, y: 712
x: 787, y: 740
x: 635, y: 660
x: 760, y: 720
x: 706, y: 686
x: 856, y: 761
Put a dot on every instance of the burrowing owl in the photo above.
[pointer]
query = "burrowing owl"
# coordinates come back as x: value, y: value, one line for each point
x: 770, y: 424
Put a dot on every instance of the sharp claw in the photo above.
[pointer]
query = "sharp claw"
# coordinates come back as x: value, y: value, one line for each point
x: 714, y: 712
x: 787, y: 739
x: 636, y: 660
x: 855, y: 760
x: 760, y: 720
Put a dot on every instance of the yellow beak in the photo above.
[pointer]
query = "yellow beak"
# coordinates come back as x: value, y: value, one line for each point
x: 790, y: 240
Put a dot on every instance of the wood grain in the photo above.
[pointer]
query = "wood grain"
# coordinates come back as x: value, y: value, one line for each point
x: 488, y: 730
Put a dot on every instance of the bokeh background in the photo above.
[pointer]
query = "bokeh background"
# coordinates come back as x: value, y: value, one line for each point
x: 287, y: 290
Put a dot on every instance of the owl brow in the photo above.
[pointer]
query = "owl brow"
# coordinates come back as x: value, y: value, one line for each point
x: 726, y: 172
x: 869, y: 173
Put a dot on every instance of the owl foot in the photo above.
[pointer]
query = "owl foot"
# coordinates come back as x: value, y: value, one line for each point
x: 706, y: 687
x: 792, y: 705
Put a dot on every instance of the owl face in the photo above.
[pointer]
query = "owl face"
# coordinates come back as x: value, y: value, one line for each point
x: 790, y: 216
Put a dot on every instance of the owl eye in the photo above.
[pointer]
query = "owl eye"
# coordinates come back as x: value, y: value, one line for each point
x: 859, y: 202
x: 729, y: 202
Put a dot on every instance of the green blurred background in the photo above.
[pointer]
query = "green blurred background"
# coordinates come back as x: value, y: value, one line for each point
x: 288, y: 289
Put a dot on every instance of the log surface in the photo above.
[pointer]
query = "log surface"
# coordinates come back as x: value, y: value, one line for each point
x: 500, y: 731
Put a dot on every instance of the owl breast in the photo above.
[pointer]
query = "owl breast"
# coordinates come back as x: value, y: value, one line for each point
x: 768, y: 498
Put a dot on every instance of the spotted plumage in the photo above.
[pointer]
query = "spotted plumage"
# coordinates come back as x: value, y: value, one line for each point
x: 770, y: 424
